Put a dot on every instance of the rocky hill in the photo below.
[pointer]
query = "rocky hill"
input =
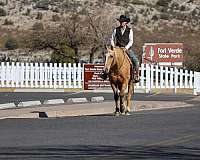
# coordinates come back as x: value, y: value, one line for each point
x: 152, y: 20
x: 24, y: 14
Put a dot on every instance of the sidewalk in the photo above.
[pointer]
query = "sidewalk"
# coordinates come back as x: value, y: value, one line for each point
x: 56, y: 111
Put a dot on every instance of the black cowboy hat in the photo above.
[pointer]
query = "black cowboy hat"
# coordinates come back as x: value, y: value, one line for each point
x: 123, y: 18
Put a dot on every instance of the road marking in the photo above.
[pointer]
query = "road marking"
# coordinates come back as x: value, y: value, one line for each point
x: 175, y: 141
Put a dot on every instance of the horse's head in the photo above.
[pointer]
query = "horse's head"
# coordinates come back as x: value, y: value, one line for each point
x: 110, y: 59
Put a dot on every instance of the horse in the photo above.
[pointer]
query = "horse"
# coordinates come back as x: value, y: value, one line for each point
x: 119, y: 68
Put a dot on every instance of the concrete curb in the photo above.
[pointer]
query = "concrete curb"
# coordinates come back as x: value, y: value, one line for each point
x: 7, y: 106
x: 77, y: 100
x: 54, y: 101
x: 87, y: 109
x: 29, y: 103
x: 97, y: 99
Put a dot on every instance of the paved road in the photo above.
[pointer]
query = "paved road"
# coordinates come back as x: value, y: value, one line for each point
x: 163, y: 134
x: 10, y: 97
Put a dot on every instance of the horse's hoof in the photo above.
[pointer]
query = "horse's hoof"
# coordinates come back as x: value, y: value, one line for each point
x: 123, y: 113
x: 127, y: 113
x: 116, y: 113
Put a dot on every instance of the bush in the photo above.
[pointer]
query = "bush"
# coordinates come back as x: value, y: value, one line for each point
x: 55, y: 18
x: 44, y: 5
x: 38, y: 26
x: 39, y: 16
x: 163, y: 3
x: 67, y: 55
x: 2, y: 12
x: 8, y: 22
x: 11, y: 44
x: 2, y: 4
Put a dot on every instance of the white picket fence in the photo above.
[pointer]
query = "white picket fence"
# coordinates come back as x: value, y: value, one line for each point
x: 154, y: 76
x: 43, y: 75
x: 39, y: 75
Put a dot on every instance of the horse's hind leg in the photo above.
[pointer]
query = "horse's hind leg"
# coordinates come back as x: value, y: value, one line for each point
x: 122, y: 98
x: 130, y: 92
x: 116, y: 98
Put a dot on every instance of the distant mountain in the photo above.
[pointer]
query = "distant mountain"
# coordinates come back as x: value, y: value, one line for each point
x: 149, y: 13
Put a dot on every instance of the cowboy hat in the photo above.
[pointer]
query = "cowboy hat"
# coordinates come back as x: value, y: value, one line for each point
x: 123, y: 18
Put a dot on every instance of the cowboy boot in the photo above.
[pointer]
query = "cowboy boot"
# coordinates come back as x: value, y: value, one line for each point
x: 104, y: 75
x: 136, y: 75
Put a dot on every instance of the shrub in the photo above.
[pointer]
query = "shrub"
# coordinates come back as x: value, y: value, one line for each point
x: 163, y: 3
x: 44, y: 5
x: 55, y: 18
x: 11, y: 44
x: 38, y: 26
x: 2, y: 12
x: 39, y: 16
x: 8, y: 22
x: 66, y: 56
x: 165, y: 16
x: 2, y: 3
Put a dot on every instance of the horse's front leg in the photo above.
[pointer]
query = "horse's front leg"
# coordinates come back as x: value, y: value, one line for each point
x: 122, y: 89
x: 116, y: 98
x: 130, y: 92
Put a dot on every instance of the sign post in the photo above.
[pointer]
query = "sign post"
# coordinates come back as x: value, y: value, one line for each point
x: 92, y: 79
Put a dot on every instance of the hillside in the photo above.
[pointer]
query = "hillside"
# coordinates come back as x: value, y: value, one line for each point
x: 24, y: 13
x: 152, y: 20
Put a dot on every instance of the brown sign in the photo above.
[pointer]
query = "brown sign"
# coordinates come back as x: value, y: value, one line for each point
x: 163, y: 52
x: 92, y: 79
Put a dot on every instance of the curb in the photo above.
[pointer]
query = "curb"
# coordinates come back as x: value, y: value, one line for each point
x: 29, y: 103
x: 77, y: 100
x: 51, y: 101
x: 7, y: 106
x: 54, y: 101
x: 97, y: 99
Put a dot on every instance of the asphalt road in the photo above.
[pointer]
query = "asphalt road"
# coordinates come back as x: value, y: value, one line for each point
x: 164, y: 134
x: 16, y: 97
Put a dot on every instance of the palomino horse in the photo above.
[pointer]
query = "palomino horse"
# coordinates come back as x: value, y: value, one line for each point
x: 118, y: 66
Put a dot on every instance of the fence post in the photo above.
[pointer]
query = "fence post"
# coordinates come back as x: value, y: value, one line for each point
x: 79, y: 76
x: 196, y: 83
x: 17, y: 74
x: 22, y: 75
x: 12, y: 74
x: 64, y: 76
x: 148, y: 79
x: 46, y: 76
x: 27, y: 75
x: 69, y: 75
x: 8, y: 75
x: 74, y: 75
x: 161, y: 76
x: 36, y: 75
x: 142, y: 76
x: 176, y: 80
x: 55, y: 75
x: 51, y: 75
x: 59, y: 75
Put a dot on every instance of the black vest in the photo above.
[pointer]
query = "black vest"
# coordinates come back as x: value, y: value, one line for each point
x: 122, y: 40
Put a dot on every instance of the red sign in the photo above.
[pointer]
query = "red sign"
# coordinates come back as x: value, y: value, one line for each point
x: 163, y: 52
x: 92, y: 78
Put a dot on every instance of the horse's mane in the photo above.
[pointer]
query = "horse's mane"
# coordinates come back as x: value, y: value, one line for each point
x: 125, y: 54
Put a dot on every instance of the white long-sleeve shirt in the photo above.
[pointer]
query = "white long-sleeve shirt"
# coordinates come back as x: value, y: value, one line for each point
x: 130, y: 43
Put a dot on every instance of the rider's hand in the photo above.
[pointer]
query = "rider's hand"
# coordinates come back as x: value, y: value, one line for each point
x: 125, y: 50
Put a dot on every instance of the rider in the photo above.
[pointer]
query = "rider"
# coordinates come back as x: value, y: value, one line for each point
x: 122, y: 36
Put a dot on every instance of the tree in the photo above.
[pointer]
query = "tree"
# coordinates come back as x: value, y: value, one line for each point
x: 100, y: 30
x: 60, y: 38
